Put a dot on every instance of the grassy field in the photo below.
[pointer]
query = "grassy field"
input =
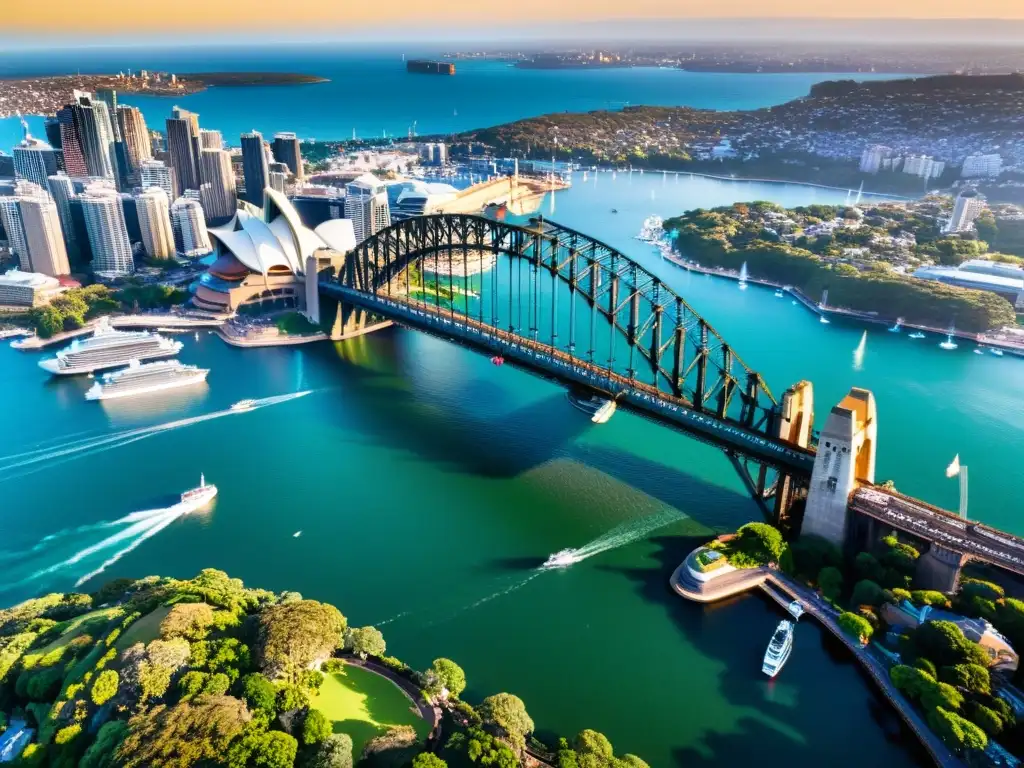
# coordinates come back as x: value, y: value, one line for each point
x: 363, y: 705
x: 145, y: 629
x: 94, y: 620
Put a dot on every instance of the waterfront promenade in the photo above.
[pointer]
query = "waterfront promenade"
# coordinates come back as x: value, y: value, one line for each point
x: 771, y: 582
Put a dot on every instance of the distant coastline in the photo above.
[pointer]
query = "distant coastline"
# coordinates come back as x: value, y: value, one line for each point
x: 45, y: 95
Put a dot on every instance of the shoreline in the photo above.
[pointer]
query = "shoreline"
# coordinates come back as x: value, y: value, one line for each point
x: 766, y: 579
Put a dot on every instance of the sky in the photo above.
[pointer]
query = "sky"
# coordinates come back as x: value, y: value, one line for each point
x: 446, y: 19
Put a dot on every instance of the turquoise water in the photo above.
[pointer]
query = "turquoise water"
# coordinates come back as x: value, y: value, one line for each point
x: 428, y: 485
x: 370, y: 92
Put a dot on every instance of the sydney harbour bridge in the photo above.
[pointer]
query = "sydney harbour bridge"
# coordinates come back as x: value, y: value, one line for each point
x: 568, y: 307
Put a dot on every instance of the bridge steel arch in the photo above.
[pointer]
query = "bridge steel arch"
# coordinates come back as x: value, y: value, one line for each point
x: 583, y: 312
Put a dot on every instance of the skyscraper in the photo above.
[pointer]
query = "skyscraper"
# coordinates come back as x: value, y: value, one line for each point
x: 190, y: 236
x: 156, y: 173
x: 254, y: 167
x: 133, y: 132
x: 109, y: 97
x: 62, y: 190
x: 71, y: 142
x: 218, y: 189
x: 966, y: 208
x: 183, y: 147
x: 154, y: 213
x: 366, y: 204
x: 277, y: 181
x: 210, y: 139
x: 108, y: 234
x: 287, y: 150
x: 33, y: 228
x: 87, y: 137
x: 34, y: 160
x: 52, y: 127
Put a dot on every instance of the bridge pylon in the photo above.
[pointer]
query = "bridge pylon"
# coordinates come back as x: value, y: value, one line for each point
x: 796, y: 425
x: 845, y: 460
x: 338, y: 320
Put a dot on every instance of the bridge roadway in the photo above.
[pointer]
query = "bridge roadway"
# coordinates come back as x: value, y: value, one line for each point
x: 949, y: 531
x: 645, y: 399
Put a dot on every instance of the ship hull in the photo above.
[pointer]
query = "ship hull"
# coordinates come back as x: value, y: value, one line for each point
x: 99, y: 393
x: 53, y: 366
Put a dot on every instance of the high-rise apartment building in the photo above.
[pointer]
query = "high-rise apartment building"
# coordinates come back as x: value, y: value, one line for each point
x: 108, y: 233
x: 254, y: 167
x: 183, y: 147
x: 87, y: 137
x: 966, y: 208
x: 191, y: 239
x: 52, y: 127
x: 924, y: 166
x: 981, y: 165
x: 287, y: 150
x: 210, y: 139
x: 871, y: 159
x: 32, y: 221
x: 156, y: 173
x: 62, y: 190
x: 135, y: 136
x: 154, y: 211
x: 218, y: 192
x: 34, y: 160
x: 366, y: 204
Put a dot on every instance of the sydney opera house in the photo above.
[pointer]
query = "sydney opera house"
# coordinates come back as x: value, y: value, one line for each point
x: 261, y: 256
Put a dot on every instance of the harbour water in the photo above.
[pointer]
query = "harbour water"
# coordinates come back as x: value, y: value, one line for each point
x: 430, y: 486
x: 370, y: 92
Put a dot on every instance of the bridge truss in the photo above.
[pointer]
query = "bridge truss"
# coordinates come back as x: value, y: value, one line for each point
x: 568, y: 305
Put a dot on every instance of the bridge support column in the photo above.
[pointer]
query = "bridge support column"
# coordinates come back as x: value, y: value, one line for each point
x: 795, y: 424
x: 939, y: 569
x: 338, y: 320
x: 846, y: 457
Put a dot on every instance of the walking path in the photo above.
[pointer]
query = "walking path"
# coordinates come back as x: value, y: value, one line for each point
x: 427, y: 711
x: 767, y: 578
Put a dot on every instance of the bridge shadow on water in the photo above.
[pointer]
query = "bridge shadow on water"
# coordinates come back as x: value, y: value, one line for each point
x: 831, y: 709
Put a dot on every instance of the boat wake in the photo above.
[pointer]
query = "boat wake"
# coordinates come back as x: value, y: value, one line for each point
x: 619, y: 536
x: 41, y: 458
x: 137, y: 528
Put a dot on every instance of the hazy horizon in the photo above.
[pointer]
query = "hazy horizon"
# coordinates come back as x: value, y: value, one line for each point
x: 27, y: 31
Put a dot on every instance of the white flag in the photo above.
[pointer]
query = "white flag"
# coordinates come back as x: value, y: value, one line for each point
x: 954, y: 467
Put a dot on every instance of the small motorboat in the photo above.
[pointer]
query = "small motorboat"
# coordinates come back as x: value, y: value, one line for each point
x: 243, y: 405
x: 779, y: 294
x: 562, y: 559
x: 979, y: 350
x: 796, y: 609
x: 915, y: 335
x: 995, y: 351
x: 824, y: 320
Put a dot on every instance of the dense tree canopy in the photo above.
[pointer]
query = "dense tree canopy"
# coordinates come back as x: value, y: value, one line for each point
x: 507, y: 713
x: 445, y: 675
x: 293, y: 635
x: 334, y: 752
x: 944, y: 643
x: 365, y: 641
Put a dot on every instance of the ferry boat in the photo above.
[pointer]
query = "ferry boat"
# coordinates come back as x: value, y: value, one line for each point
x: 198, y: 497
x: 651, y: 231
x: 600, y: 409
x: 779, y: 648
x: 243, y: 405
x: 109, y: 348
x: 142, y: 378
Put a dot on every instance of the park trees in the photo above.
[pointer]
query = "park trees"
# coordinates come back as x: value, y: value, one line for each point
x: 855, y: 626
x: 104, y: 688
x: 293, y: 635
x: 944, y: 643
x: 365, y: 641
x: 189, y: 733
x: 970, y: 677
x: 428, y: 760
x: 315, y: 727
x: 188, y: 620
x: 444, y: 675
x: 506, y: 713
x: 259, y: 693
x: 334, y: 752
x: 830, y: 581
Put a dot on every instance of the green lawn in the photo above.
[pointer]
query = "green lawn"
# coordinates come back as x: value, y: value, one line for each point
x: 363, y: 705
x: 143, y: 630
x: 94, y: 620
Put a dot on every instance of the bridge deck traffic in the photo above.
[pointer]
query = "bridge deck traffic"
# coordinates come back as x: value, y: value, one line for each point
x: 945, y: 529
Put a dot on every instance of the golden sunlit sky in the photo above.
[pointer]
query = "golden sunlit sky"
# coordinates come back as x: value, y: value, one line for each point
x: 120, y: 17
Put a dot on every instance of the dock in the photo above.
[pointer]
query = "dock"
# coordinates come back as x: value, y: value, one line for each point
x: 173, y: 321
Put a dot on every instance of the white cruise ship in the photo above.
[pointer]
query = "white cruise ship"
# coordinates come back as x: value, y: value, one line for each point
x: 197, y: 498
x: 141, y: 378
x: 109, y: 348
x: 779, y: 648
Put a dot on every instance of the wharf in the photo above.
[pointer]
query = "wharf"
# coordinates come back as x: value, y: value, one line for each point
x: 170, y: 320
x: 784, y: 590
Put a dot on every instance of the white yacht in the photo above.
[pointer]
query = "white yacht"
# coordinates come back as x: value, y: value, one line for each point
x: 197, y: 498
x: 600, y: 409
x: 109, y: 348
x: 244, y: 405
x: 142, y: 378
x: 562, y: 559
x: 779, y: 649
